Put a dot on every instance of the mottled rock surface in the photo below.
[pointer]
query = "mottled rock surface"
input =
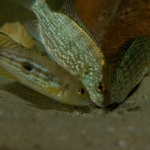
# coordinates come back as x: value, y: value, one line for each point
x: 115, y: 21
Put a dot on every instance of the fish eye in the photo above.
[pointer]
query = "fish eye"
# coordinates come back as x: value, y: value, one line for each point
x: 100, y: 87
x: 81, y: 91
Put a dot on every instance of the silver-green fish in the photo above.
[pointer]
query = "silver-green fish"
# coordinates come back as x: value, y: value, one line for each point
x: 127, y: 69
x: 69, y: 44
x: 41, y: 74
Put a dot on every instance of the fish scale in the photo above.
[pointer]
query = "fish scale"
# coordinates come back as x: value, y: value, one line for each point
x: 67, y: 49
x: 62, y: 36
x: 41, y: 74
x: 127, y: 69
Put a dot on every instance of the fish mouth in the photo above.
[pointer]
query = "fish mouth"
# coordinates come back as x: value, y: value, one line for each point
x: 85, y: 103
x: 97, y: 104
x: 94, y: 105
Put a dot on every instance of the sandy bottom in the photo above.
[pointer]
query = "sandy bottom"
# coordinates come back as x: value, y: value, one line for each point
x: 29, y: 121
x: 32, y: 121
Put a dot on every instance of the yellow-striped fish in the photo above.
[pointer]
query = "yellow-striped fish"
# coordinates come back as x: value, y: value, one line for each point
x: 69, y: 44
x: 41, y: 74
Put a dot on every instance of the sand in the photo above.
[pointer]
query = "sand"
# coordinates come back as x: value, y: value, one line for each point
x: 30, y: 121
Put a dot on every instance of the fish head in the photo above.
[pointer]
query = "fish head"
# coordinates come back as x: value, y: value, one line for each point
x: 117, y: 90
x: 103, y: 91
x: 97, y: 92
x: 122, y: 72
x: 113, y: 88
x: 74, y: 93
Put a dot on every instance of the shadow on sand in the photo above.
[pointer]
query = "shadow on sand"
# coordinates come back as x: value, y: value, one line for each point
x: 39, y: 101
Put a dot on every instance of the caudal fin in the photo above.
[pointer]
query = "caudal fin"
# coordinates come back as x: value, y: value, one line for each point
x: 26, y: 3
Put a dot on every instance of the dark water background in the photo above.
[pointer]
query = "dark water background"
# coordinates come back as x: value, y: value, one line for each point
x: 10, y: 11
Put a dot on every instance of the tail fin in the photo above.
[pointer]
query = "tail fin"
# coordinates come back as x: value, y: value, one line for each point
x: 26, y: 3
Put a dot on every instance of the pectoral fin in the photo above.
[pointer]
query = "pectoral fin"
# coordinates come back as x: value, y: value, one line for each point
x: 5, y: 73
x: 33, y: 27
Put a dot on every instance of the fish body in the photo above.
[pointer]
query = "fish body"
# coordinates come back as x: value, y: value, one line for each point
x: 41, y: 74
x: 69, y: 45
x: 127, y: 69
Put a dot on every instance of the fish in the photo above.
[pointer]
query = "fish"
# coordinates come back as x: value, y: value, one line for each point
x: 127, y: 69
x: 69, y: 43
x: 41, y: 74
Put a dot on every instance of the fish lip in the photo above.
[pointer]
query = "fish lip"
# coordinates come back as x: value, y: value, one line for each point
x: 96, y: 104
x: 85, y: 103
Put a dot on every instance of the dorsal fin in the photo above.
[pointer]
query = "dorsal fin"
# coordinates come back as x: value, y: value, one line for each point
x: 69, y: 10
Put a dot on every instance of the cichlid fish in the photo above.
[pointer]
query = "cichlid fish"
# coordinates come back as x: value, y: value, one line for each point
x: 69, y: 43
x: 41, y: 74
x: 127, y: 69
